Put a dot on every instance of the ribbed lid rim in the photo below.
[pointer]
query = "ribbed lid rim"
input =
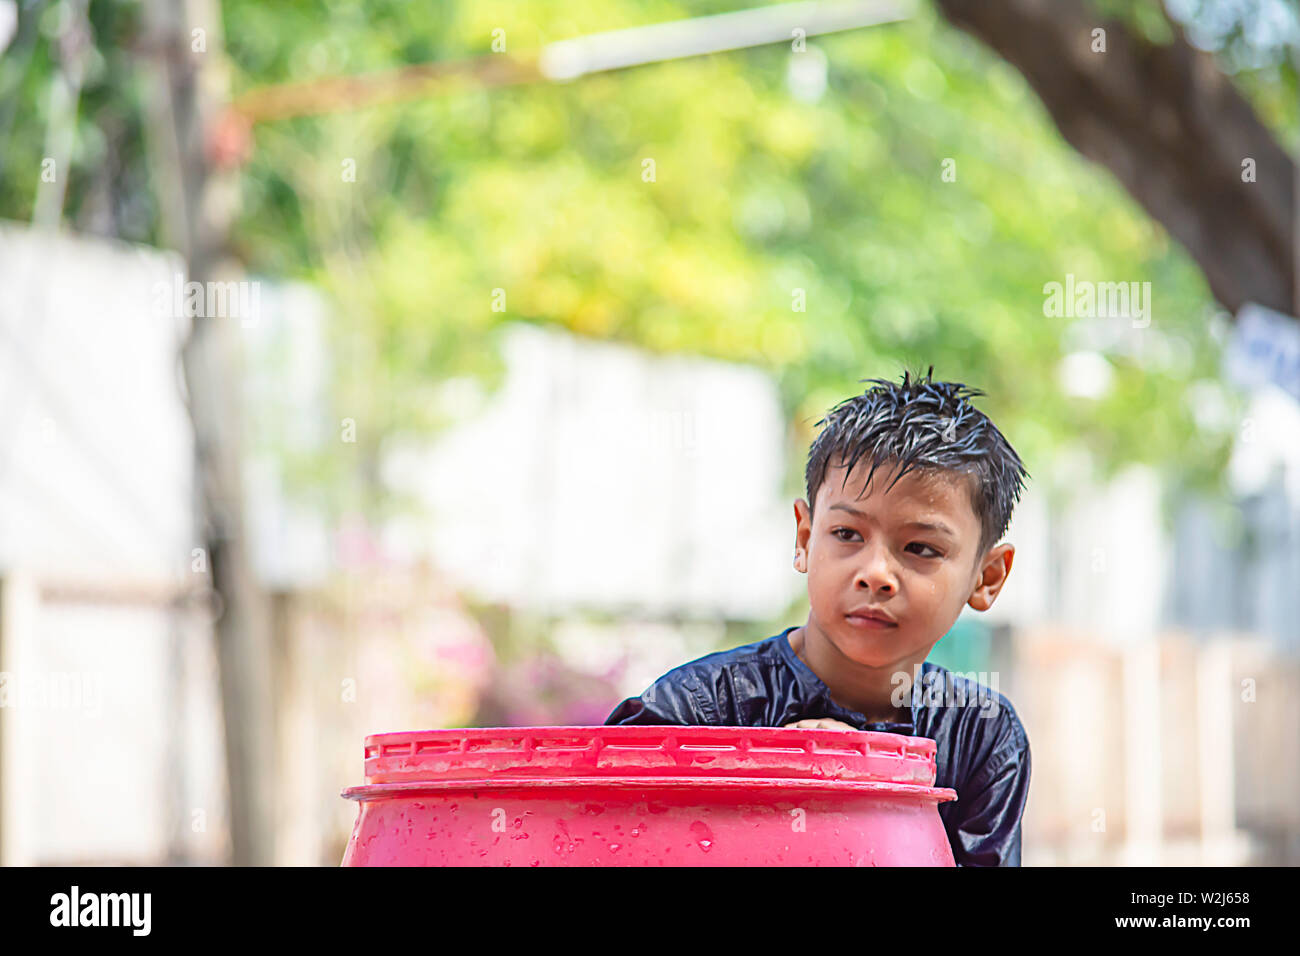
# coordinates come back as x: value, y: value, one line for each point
x: 630, y: 752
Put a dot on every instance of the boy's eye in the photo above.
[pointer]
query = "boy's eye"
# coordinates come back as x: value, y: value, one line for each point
x: 916, y: 547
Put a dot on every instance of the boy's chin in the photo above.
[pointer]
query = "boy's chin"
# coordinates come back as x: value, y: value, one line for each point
x: 872, y: 649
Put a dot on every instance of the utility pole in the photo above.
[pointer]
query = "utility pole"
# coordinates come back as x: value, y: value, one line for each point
x: 198, y: 198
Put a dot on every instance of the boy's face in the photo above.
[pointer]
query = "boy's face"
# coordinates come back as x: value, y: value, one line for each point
x: 910, y: 554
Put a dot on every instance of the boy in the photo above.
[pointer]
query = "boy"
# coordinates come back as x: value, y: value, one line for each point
x: 890, y: 564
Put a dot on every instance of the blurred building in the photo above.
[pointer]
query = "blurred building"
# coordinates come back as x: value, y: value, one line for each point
x: 604, y: 482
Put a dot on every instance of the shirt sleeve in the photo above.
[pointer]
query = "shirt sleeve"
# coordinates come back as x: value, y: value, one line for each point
x: 987, y: 830
x: 676, y: 698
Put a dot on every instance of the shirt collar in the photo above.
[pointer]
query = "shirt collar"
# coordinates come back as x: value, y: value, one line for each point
x: 808, y: 678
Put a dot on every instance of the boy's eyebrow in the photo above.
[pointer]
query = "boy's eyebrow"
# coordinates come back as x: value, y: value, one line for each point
x: 938, y: 526
x: 852, y: 511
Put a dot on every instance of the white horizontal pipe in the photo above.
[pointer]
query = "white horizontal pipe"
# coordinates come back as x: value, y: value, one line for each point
x: 567, y: 59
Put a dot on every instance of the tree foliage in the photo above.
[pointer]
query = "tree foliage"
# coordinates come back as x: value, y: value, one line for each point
x: 761, y: 200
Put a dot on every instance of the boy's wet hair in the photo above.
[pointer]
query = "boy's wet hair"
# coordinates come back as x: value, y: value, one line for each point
x: 925, y: 426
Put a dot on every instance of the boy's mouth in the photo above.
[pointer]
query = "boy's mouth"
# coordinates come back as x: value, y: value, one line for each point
x: 870, y: 619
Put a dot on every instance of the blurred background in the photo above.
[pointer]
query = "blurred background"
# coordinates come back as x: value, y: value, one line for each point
x: 385, y: 366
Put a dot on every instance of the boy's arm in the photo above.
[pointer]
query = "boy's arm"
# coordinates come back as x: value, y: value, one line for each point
x: 676, y: 698
x: 987, y: 831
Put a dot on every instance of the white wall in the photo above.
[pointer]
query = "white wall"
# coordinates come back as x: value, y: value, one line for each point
x: 96, y: 451
x: 95, y: 493
x: 604, y: 477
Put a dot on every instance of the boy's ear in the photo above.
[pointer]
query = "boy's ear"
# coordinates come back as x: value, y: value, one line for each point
x: 993, y: 572
x: 802, y: 531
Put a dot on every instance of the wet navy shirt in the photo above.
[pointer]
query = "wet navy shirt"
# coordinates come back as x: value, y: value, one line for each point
x: 981, y: 750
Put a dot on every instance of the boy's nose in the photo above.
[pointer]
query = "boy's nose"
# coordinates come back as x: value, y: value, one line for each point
x: 877, y: 573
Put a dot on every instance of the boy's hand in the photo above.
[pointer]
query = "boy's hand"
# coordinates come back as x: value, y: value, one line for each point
x: 820, y: 723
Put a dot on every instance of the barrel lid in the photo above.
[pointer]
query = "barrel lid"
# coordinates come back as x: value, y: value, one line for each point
x: 609, y: 754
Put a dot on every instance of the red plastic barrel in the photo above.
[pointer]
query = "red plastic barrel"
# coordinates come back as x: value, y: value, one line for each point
x: 646, y: 796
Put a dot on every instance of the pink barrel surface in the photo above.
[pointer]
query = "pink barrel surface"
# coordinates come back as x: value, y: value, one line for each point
x: 648, y: 796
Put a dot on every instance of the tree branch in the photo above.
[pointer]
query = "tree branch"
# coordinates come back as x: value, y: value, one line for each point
x: 1171, y: 127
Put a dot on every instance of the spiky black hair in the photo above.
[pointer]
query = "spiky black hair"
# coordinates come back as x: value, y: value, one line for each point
x: 928, y: 426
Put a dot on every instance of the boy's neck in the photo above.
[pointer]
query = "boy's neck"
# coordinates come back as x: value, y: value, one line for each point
x: 869, y: 691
